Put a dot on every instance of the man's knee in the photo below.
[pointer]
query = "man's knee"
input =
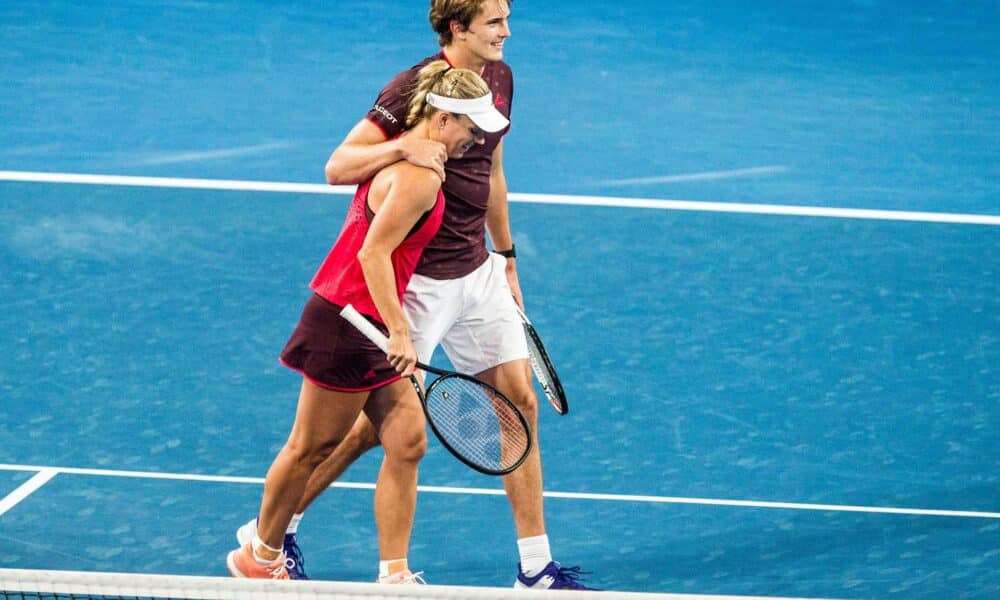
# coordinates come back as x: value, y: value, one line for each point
x: 521, y: 392
x: 514, y: 381
x: 362, y: 436
x: 527, y: 402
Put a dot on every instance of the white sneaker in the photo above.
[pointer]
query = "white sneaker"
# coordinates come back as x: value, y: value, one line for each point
x: 246, y: 533
x: 403, y: 578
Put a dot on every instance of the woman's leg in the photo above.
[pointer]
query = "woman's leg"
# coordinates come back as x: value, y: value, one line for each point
x: 322, y: 420
x: 396, y: 413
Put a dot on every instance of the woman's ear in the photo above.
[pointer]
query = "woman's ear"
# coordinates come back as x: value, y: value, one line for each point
x: 442, y: 119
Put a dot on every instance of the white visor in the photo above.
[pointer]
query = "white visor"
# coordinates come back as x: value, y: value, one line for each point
x: 480, y: 110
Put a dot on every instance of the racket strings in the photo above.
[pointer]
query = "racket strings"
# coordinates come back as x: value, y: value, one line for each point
x: 477, y: 423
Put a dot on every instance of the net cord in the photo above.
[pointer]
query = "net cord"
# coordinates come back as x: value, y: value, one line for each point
x: 228, y: 588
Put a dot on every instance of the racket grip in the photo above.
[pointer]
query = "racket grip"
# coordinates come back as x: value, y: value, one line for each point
x: 524, y: 317
x: 370, y: 331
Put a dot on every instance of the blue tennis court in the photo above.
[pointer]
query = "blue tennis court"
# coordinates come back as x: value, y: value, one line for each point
x: 762, y: 403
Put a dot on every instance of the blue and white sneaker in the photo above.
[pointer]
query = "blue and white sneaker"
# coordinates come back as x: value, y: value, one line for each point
x: 294, y: 562
x: 552, y: 577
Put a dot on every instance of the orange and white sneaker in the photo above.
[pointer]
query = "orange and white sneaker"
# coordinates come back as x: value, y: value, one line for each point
x: 403, y: 578
x: 241, y: 563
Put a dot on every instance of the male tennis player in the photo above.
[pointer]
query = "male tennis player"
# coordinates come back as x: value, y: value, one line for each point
x: 461, y: 296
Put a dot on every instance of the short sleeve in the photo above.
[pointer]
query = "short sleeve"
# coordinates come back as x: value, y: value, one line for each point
x: 390, y: 108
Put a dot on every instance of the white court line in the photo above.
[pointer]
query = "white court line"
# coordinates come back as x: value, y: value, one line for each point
x: 704, y: 176
x: 683, y: 205
x: 202, y: 155
x: 176, y: 182
x: 500, y: 492
x: 27, y: 488
x: 761, y: 209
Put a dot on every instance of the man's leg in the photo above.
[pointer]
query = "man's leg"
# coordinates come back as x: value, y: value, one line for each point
x: 359, y: 440
x: 524, y: 489
x: 524, y: 485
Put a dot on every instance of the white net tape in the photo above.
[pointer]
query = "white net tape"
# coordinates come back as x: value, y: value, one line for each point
x: 17, y: 583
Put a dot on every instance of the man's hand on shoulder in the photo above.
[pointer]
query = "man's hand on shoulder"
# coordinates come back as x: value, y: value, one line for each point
x: 424, y: 153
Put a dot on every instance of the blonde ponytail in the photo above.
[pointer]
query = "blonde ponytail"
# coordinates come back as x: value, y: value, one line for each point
x: 439, y: 77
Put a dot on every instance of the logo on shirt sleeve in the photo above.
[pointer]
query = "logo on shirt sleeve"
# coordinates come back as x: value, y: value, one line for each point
x: 385, y: 113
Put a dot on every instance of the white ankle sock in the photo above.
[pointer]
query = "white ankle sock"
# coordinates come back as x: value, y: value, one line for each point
x: 383, y: 566
x: 293, y: 525
x: 258, y: 544
x: 535, y: 554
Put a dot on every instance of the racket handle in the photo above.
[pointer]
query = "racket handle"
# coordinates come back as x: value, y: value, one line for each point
x: 370, y: 331
x: 524, y: 317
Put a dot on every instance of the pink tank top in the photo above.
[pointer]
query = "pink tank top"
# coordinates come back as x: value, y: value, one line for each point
x: 340, y: 279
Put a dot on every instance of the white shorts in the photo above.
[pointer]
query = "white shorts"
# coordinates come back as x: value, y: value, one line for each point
x: 474, y: 318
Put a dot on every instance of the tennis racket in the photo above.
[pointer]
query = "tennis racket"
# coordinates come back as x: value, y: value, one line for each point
x: 473, y: 420
x: 542, y: 366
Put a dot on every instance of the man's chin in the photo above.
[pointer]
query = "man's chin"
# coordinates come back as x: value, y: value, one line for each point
x: 493, y: 55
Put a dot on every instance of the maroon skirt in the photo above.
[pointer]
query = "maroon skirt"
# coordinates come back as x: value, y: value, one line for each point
x: 333, y: 354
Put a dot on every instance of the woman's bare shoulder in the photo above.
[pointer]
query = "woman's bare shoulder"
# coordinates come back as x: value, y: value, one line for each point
x: 404, y: 172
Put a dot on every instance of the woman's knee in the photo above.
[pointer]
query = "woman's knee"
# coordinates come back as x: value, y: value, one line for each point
x: 408, y: 447
x: 309, y: 453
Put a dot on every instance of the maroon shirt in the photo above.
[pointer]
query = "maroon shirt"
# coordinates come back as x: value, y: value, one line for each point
x: 460, y: 244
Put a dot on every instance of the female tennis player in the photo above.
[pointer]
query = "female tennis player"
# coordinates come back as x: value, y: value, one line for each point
x: 389, y: 223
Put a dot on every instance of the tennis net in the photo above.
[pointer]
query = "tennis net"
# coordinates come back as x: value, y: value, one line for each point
x: 22, y: 584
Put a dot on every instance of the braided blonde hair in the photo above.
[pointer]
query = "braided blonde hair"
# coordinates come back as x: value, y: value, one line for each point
x: 443, y: 80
